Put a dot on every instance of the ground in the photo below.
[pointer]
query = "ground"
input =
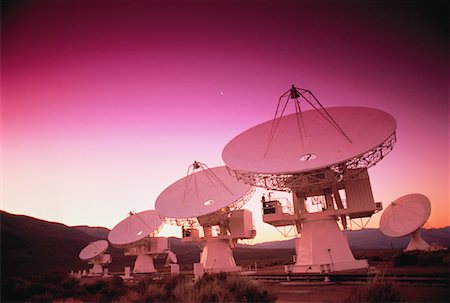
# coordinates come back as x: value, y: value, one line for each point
x: 296, y: 291
x: 293, y: 292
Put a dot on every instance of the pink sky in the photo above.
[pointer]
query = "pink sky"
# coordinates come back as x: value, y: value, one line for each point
x: 106, y: 103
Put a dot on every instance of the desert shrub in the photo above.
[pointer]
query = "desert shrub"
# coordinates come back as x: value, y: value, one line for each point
x: 51, y: 277
x: 446, y: 259
x: 70, y: 283
x: 15, y: 290
x: 220, y: 287
x: 47, y: 287
x: 72, y: 288
x: 224, y: 287
x: 210, y: 288
x: 141, y: 285
x: 158, y: 290
x: 42, y: 288
x: 377, y: 289
x: 247, y: 290
x: 114, y: 289
x: 421, y: 258
x: 171, y: 282
x: 376, y: 258
x: 215, y: 293
x: 155, y: 293
x: 430, y: 258
x: 96, y: 287
x: 405, y: 259
x: 184, y: 291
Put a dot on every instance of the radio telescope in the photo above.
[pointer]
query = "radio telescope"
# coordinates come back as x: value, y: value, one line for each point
x: 321, y: 156
x: 405, y: 216
x: 209, y: 200
x: 137, y: 235
x: 94, y: 253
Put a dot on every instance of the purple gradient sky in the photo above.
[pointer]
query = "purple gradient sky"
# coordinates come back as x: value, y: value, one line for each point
x: 106, y: 103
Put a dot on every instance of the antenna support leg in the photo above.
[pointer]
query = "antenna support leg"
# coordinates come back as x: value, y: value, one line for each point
x: 323, y: 248
x: 144, y: 264
x: 217, y: 256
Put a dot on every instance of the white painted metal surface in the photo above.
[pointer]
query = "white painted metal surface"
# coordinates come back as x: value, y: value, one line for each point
x: 417, y: 242
x: 366, y: 127
x: 322, y: 247
x: 94, y: 253
x: 144, y: 264
x: 200, y: 194
x: 135, y: 229
x: 93, y: 250
x: 137, y: 234
x: 314, y: 154
x: 241, y: 224
x: 217, y: 256
x: 210, y: 196
x: 405, y: 215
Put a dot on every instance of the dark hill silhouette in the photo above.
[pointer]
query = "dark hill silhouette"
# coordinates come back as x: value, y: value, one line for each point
x: 371, y: 238
x: 30, y: 246
x: 96, y: 232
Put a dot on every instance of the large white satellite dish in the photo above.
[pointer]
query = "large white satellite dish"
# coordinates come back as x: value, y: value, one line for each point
x: 137, y: 235
x: 94, y: 253
x: 210, y: 198
x: 321, y: 156
x: 325, y: 146
x: 405, y: 216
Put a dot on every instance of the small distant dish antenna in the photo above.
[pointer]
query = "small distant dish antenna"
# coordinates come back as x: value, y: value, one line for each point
x: 172, y: 257
x: 137, y: 235
x: 94, y: 253
x: 321, y: 156
x: 209, y: 200
x: 405, y: 216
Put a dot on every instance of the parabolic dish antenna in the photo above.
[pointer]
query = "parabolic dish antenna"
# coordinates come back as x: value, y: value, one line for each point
x: 93, y: 250
x: 135, y: 229
x: 201, y: 193
x: 405, y: 216
x: 318, y: 145
x: 137, y: 234
x: 94, y: 253
x: 322, y: 157
x: 210, y: 198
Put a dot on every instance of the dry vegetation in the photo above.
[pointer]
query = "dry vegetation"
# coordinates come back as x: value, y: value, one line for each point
x: 377, y: 289
x: 211, y: 288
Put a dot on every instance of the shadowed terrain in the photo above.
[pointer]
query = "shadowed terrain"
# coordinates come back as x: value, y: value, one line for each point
x: 30, y: 246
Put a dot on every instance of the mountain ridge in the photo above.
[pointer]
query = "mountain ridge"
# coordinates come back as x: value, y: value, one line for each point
x: 30, y: 246
x: 373, y: 238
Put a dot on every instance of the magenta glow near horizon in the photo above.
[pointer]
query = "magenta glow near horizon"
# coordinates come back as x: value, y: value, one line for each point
x: 105, y: 104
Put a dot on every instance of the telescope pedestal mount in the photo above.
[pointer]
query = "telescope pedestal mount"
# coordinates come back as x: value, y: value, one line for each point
x: 144, y: 264
x: 209, y: 199
x: 322, y: 247
x: 217, y: 256
x: 417, y: 242
x: 94, y: 253
x: 97, y: 268
x: 146, y: 253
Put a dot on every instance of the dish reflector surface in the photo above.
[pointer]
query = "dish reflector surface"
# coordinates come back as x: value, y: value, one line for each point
x: 308, y: 141
x: 135, y: 228
x: 200, y: 194
x: 405, y: 215
x: 93, y: 250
